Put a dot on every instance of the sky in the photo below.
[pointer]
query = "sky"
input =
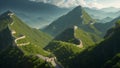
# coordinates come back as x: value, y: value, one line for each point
x: 85, y: 3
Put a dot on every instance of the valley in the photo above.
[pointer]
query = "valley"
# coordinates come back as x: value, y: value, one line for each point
x: 44, y: 34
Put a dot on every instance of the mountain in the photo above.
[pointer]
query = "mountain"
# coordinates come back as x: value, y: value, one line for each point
x: 20, y: 44
x: 105, y: 54
x: 105, y: 20
x: 100, y: 54
x: 106, y: 26
x: 110, y: 9
x: 114, y: 62
x: 33, y: 13
x: 76, y: 17
x: 77, y: 36
x: 13, y: 57
x: 71, y: 42
x: 68, y: 36
x: 101, y: 14
x: 95, y: 13
x: 64, y: 51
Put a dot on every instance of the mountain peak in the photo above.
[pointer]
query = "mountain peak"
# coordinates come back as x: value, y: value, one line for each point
x: 78, y: 7
x: 8, y: 13
x: 5, y: 19
x: 77, y: 10
x: 78, y: 16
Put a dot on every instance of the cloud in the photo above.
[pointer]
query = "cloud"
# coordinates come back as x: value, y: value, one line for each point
x: 85, y: 3
x: 95, y: 5
x: 64, y: 3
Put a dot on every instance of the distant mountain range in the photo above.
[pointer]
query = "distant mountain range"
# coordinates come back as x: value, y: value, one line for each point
x: 101, y: 14
x: 110, y: 9
x: 103, y: 27
x: 34, y: 14
x: 39, y: 15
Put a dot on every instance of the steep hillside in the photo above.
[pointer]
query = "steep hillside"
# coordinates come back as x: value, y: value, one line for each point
x: 32, y: 35
x: 6, y: 38
x: 13, y: 57
x: 20, y: 44
x: 76, y: 36
x: 63, y: 51
x: 76, y: 17
x: 97, y: 56
x: 71, y: 42
x: 114, y: 62
x: 92, y: 57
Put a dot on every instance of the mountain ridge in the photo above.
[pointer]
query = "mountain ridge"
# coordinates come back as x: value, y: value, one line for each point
x: 76, y: 17
x: 17, y: 55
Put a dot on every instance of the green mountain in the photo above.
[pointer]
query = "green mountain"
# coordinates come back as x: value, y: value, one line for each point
x: 70, y: 43
x: 20, y: 44
x: 114, y: 62
x: 64, y: 51
x: 13, y: 57
x: 98, y: 56
x: 76, y: 17
x: 68, y: 36
x: 102, y: 55
x: 103, y: 27
x: 77, y: 36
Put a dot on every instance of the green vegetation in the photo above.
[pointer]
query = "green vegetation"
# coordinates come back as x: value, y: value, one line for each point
x: 34, y: 36
x: 20, y: 45
x: 102, y: 55
x: 4, y: 21
x: 86, y: 18
x: 33, y: 50
x: 74, y: 36
x: 87, y: 38
x: 64, y: 51
x: 118, y: 23
x: 5, y: 34
x: 12, y: 57
x: 114, y: 62
x: 98, y: 55
x: 76, y: 17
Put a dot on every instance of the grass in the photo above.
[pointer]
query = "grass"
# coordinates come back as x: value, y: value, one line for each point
x: 37, y: 38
